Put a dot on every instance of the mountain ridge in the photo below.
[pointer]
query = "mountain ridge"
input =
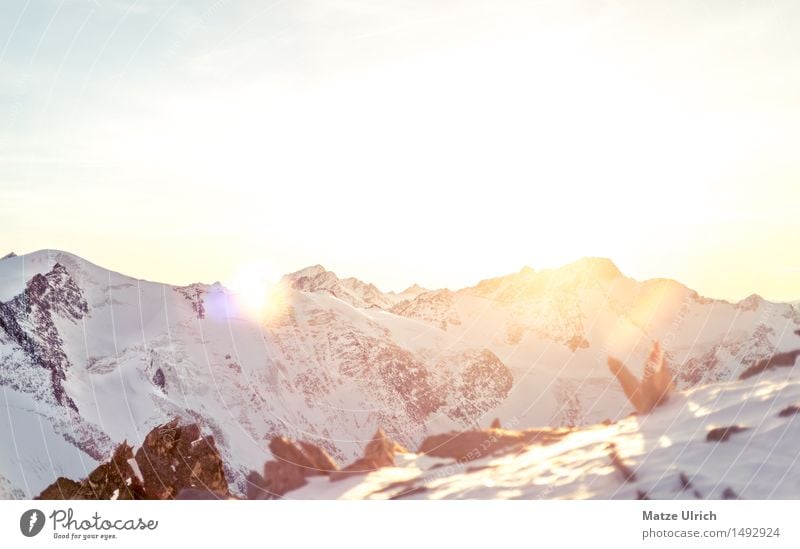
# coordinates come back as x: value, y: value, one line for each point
x: 338, y: 359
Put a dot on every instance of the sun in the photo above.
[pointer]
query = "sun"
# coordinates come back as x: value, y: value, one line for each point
x: 257, y: 290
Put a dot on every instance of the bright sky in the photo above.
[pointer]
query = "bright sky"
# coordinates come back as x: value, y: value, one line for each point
x: 403, y: 141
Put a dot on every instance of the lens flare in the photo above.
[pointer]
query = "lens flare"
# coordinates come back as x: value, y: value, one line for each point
x: 257, y: 291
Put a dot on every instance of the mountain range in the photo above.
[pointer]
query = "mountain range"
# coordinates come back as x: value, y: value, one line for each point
x: 90, y: 358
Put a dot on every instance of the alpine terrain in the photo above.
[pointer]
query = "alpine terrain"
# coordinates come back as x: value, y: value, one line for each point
x: 91, y: 358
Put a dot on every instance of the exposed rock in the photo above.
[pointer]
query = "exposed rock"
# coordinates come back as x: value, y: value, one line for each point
x: 686, y: 483
x: 321, y: 462
x: 175, y: 456
x: 721, y: 434
x: 255, y: 485
x: 775, y: 361
x: 114, y: 479
x: 496, y: 424
x: 62, y: 488
x: 309, y: 457
x: 628, y: 475
x: 789, y: 411
x: 294, y: 461
x: 281, y: 477
x: 379, y: 452
x: 471, y: 445
x: 29, y: 319
x: 159, y: 380
x: 729, y: 494
x: 654, y: 388
x: 196, y: 493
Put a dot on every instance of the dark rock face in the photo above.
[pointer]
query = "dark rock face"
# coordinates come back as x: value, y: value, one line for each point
x: 159, y: 380
x: 62, y: 488
x: 721, y: 434
x: 175, y: 456
x: 775, y: 361
x: 789, y: 411
x: 294, y: 462
x: 379, y: 452
x: 485, y: 383
x: 655, y: 386
x: 471, y: 445
x: 729, y: 494
x: 28, y: 320
x: 321, y: 462
x: 114, y: 479
x: 281, y: 477
x: 195, y: 295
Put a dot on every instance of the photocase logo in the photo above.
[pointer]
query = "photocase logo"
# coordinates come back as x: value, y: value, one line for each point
x: 31, y: 522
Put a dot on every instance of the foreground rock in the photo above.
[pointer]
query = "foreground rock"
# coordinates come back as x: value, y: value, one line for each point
x: 294, y: 461
x: 114, y: 479
x: 780, y: 360
x: 721, y: 434
x: 379, y: 452
x: 656, y: 385
x: 471, y: 445
x: 173, y: 458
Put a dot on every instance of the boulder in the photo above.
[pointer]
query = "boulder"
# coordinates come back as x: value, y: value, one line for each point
x: 175, y: 456
x: 721, y: 434
x: 379, y: 452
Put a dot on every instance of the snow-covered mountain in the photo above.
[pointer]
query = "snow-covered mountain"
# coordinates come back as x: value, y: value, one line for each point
x: 727, y: 440
x: 90, y: 357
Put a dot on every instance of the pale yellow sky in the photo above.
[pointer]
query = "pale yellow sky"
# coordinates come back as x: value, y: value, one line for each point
x: 402, y: 142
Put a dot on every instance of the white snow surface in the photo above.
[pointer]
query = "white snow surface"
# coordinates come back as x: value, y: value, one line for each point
x: 667, y: 451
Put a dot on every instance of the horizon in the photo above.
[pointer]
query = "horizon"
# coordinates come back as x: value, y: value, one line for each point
x: 415, y: 143
x: 247, y: 280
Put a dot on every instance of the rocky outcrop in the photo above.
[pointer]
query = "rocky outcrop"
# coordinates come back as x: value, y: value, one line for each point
x: 29, y: 320
x: 776, y: 361
x: 656, y: 384
x: 471, y: 445
x: 114, y: 479
x: 294, y: 461
x: 173, y: 459
x: 175, y: 456
x: 721, y: 434
x: 789, y: 411
x: 379, y: 452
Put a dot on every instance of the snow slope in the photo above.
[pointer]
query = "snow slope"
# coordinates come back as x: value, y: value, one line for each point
x: 97, y: 357
x: 90, y: 357
x: 667, y: 453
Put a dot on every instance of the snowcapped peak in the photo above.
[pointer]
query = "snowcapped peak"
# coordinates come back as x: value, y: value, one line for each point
x: 308, y: 272
x: 414, y: 288
x: 316, y: 279
x: 751, y: 302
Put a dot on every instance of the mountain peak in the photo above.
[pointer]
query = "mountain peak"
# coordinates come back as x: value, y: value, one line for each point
x: 599, y: 266
x: 307, y: 272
